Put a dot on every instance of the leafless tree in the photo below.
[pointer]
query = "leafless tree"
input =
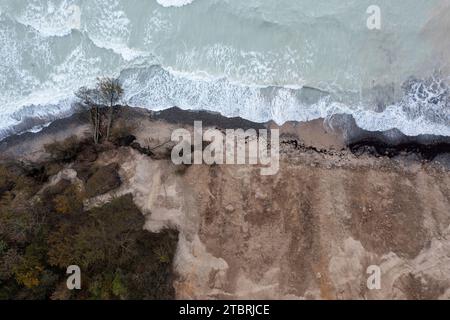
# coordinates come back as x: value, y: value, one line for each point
x: 90, y: 99
x: 107, y: 93
x: 111, y: 92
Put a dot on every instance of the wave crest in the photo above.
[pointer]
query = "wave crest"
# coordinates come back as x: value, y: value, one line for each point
x: 174, y: 3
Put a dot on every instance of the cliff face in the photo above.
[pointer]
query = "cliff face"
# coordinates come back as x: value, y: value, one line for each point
x: 310, y: 231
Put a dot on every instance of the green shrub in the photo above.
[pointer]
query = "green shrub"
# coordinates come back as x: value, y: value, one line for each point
x: 41, y: 234
x: 123, y: 261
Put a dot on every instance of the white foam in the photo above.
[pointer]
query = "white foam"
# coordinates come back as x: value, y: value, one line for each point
x: 109, y: 27
x: 127, y: 53
x: 269, y: 68
x: 257, y: 74
x: 174, y: 3
x: 157, y: 88
x: 51, y: 20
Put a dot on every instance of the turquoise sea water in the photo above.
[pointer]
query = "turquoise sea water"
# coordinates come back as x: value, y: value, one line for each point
x: 259, y: 59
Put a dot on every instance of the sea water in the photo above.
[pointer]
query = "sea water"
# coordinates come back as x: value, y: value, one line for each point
x: 262, y: 60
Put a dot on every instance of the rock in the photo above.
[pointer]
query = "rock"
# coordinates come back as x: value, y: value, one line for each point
x: 229, y: 208
x: 103, y: 180
x: 84, y: 170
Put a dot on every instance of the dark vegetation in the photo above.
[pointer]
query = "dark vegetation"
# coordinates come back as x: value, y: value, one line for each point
x: 43, y: 230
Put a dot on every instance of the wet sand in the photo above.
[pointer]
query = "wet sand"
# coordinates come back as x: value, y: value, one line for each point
x: 340, y: 132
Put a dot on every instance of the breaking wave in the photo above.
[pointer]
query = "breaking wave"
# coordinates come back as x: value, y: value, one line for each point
x: 261, y: 61
x: 423, y: 109
x: 174, y: 3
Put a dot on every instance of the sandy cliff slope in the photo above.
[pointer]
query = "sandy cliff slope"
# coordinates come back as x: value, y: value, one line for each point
x: 308, y: 232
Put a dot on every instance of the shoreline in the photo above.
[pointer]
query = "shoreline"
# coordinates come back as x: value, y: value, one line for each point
x: 338, y: 133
